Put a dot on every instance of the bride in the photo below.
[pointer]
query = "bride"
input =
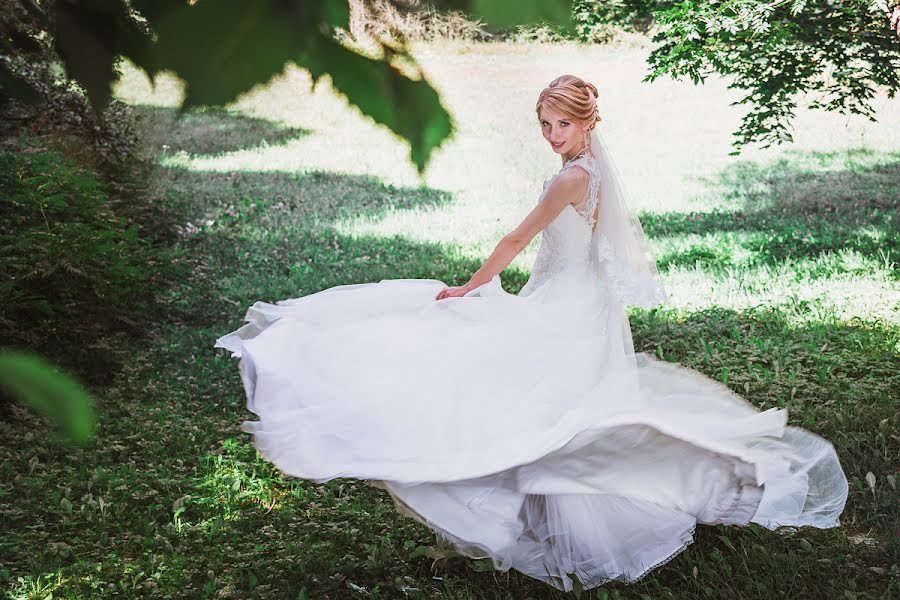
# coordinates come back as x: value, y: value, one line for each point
x: 524, y: 428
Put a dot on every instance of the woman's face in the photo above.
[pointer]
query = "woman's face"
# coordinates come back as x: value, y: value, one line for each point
x: 564, y: 135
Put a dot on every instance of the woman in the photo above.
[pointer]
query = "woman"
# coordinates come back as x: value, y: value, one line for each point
x: 524, y: 428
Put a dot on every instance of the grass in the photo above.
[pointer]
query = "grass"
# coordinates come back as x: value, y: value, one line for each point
x: 78, y: 270
x: 781, y: 267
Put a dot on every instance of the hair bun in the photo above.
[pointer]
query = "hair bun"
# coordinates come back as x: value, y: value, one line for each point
x: 573, y: 97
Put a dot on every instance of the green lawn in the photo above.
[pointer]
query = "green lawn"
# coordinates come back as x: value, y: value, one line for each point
x: 780, y: 264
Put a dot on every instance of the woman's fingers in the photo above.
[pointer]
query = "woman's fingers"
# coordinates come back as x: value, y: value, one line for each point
x: 450, y: 292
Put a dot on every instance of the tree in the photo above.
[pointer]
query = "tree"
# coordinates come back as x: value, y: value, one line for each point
x: 222, y: 48
x: 841, y: 51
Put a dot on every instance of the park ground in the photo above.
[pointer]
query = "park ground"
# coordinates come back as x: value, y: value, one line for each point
x: 780, y: 265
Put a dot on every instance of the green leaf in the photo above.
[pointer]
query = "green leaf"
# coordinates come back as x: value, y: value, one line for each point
x: 726, y: 541
x: 222, y: 48
x: 152, y: 10
x: 419, y: 551
x: 577, y: 586
x: 410, y: 108
x: 89, y: 35
x: 337, y: 13
x: 505, y: 13
x: 483, y: 565
x: 53, y: 394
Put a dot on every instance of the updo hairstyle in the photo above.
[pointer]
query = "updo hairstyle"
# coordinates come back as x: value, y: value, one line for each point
x: 573, y: 97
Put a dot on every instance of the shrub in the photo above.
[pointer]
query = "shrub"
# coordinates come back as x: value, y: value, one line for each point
x: 598, y: 21
x: 75, y: 274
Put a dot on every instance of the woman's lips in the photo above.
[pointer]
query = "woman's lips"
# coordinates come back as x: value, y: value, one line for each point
x: 559, y: 145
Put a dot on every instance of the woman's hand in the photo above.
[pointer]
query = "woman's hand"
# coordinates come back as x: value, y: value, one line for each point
x: 454, y: 292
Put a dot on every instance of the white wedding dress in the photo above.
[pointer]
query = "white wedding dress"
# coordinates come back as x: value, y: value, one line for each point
x: 523, y: 428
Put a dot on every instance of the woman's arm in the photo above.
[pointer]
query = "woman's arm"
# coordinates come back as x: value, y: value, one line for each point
x: 568, y: 188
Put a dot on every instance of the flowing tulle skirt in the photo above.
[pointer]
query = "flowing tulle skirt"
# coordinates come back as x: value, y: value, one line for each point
x: 522, y: 428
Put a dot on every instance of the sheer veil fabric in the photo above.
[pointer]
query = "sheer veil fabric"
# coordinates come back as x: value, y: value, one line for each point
x: 523, y: 427
x: 620, y: 249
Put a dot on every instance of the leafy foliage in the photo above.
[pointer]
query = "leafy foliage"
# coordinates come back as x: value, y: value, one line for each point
x: 20, y: 44
x: 632, y: 15
x: 55, y: 395
x: 176, y: 503
x: 74, y: 272
x: 776, y: 52
x: 31, y: 70
x: 222, y: 48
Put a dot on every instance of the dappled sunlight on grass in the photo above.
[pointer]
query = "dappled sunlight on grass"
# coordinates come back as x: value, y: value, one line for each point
x: 497, y: 160
x: 134, y: 87
x: 780, y: 267
x: 845, y: 179
x: 815, y: 233
x: 37, y: 586
x: 835, y: 287
x: 665, y: 136
x: 233, y: 478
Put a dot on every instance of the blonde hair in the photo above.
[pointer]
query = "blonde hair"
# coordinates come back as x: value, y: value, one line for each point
x: 572, y: 96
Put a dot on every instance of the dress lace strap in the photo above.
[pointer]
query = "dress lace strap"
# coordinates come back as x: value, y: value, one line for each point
x: 589, y: 205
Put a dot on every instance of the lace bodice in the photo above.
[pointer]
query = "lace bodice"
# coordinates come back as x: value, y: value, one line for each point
x: 566, y: 241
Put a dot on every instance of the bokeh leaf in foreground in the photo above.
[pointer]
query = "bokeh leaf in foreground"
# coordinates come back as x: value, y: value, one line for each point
x: 57, y: 396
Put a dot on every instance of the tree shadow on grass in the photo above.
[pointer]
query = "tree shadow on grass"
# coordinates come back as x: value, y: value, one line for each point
x: 292, y: 264
x: 280, y: 200
x: 842, y: 395
x: 274, y: 235
x: 242, y: 517
x: 209, y: 130
x: 789, y: 210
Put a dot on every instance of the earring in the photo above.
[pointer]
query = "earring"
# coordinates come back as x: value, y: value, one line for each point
x: 587, y: 142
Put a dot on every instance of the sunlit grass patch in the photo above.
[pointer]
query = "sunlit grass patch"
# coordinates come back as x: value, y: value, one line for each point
x: 781, y: 271
x: 735, y: 271
x: 35, y: 587
x: 232, y: 480
x: 843, y: 179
